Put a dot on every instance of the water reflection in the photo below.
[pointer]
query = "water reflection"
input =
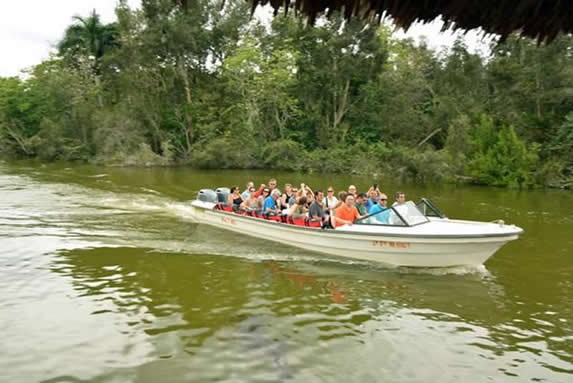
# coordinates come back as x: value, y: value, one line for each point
x: 237, y: 320
x: 136, y: 305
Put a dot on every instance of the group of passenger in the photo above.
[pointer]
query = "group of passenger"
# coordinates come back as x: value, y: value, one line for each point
x: 314, y: 205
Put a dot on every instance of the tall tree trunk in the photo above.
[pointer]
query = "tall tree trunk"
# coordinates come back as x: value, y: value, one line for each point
x: 189, y: 133
x: 279, y: 122
x: 340, y: 107
x: 99, y: 97
x: 537, y: 92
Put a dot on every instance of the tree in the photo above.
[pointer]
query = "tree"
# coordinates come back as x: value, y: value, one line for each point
x: 87, y: 38
x: 499, y: 157
x: 329, y: 81
x: 531, y: 86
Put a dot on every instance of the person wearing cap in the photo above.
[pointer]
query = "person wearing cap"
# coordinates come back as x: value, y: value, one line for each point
x: 270, y: 205
x: 264, y: 193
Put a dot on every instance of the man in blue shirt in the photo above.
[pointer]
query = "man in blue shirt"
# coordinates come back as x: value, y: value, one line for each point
x: 384, y: 216
x: 270, y: 205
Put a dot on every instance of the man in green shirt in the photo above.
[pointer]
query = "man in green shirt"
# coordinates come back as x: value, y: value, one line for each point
x: 361, y: 203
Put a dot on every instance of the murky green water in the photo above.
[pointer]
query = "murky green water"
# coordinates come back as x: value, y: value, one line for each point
x: 103, y: 278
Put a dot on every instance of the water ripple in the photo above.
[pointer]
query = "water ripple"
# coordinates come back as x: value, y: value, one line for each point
x: 112, y: 283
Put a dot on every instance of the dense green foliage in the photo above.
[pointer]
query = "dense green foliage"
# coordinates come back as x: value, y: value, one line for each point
x: 216, y: 89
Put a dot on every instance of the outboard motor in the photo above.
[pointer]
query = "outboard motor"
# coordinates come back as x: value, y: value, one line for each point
x: 222, y: 194
x: 207, y: 195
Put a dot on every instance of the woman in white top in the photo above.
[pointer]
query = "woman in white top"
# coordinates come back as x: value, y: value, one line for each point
x: 330, y: 200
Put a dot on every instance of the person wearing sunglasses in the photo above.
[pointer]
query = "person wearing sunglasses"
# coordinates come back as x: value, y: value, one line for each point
x: 234, y: 199
x: 380, y: 211
x: 251, y: 204
x: 330, y: 200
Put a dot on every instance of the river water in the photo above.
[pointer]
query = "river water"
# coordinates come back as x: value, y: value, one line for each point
x: 104, y: 278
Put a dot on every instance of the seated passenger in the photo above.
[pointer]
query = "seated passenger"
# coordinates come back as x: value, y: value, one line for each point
x: 373, y: 197
x: 308, y: 193
x: 247, y: 191
x: 298, y: 210
x: 272, y: 184
x: 400, y: 198
x: 250, y: 204
x: 346, y: 213
x: 234, y: 199
x: 259, y: 191
x: 299, y: 194
x: 384, y: 216
x: 261, y: 198
x: 341, y: 198
x: 270, y: 205
x: 330, y: 201
x: 292, y: 200
x: 317, y: 211
x: 400, y: 210
x: 286, y: 196
x: 360, y: 203
x: 352, y: 190
x: 309, y: 200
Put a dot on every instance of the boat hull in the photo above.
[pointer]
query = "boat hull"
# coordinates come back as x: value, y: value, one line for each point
x: 389, y: 249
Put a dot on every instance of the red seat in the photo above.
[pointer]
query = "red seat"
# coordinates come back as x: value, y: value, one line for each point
x: 314, y: 224
x: 220, y: 206
x: 275, y: 218
x: 299, y: 221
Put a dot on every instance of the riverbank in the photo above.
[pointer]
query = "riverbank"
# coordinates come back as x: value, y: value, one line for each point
x: 293, y: 98
x: 424, y: 168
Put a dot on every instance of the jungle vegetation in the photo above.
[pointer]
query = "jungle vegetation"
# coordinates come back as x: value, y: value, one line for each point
x: 209, y: 87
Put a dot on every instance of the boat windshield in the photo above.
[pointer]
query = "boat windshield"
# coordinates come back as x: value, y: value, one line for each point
x: 428, y: 208
x: 406, y: 214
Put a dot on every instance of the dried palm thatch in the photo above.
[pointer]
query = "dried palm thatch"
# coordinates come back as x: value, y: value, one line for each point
x: 539, y: 19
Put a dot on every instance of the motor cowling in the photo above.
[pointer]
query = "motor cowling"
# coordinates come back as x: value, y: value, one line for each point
x: 222, y: 195
x: 207, y: 195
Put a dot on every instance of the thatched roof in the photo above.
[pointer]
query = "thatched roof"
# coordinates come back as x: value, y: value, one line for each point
x: 539, y: 19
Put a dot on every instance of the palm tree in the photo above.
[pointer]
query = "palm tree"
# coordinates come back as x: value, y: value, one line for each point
x: 88, y: 37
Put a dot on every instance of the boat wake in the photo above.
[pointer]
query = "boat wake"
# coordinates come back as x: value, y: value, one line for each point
x: 150, y: 220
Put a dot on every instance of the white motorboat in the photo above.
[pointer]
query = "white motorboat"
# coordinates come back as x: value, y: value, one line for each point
x: 413, y: 236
